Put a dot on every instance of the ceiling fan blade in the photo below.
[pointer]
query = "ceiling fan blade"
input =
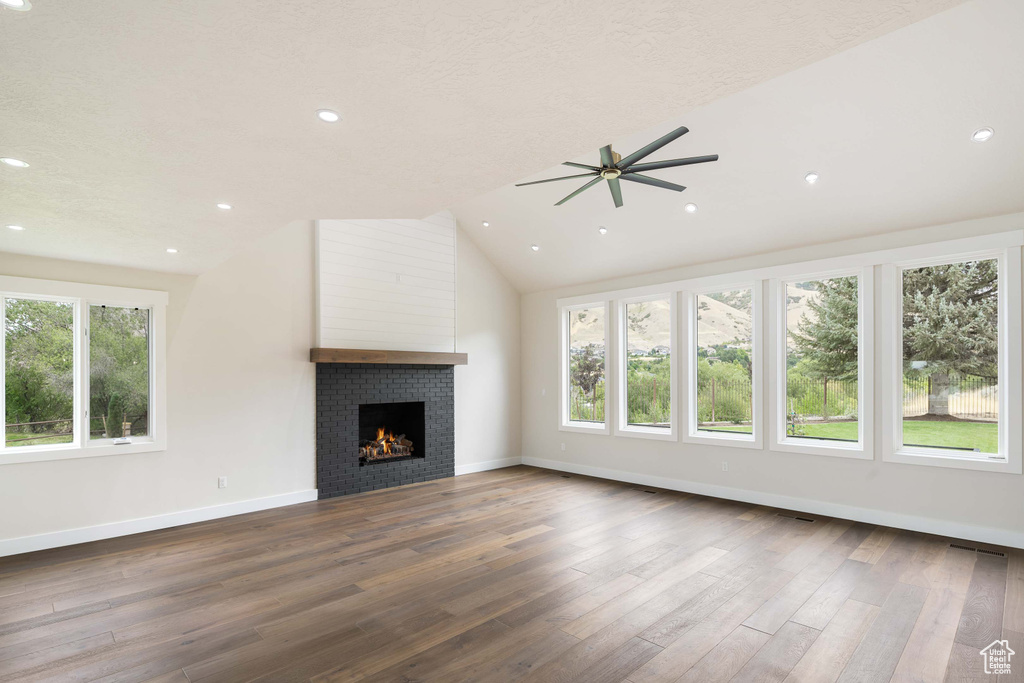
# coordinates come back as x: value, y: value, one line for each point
x: 550, y: 180
x: 654, y: 182
x: 655, y: 165
x: 585, y: 187
x: 613, y: 185
x: 607, y: 160
x: 573, y: 163
x: 653, y: 147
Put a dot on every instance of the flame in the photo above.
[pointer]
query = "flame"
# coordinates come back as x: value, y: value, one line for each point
x: 385, y: 440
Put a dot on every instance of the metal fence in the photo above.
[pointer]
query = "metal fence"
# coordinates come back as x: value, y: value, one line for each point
x: 648, y: 403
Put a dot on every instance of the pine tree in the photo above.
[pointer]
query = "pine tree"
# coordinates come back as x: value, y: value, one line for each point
x: 950, y: 315
x: 827, y: 339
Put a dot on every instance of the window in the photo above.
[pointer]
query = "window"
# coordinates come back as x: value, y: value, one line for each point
x: 950, y: 358
x: 723, y: 383
x: 820, y: 405
x: 585, y: 330
x: 647, y: 367
x: 39, y: 371
x: 955, y: 362
x: 119, y: 374
x: 83, y: 370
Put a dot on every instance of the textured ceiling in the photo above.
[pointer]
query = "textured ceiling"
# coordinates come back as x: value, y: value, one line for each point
x: 138, y: 117
x: 886, y: 124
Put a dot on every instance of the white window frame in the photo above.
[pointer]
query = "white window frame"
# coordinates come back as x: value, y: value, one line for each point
x: 622, y: 428
x: 779, y: 439
x: 1009, y: 335
x: 82, y: 296
x: 564, y: 423
x: 691, y: 434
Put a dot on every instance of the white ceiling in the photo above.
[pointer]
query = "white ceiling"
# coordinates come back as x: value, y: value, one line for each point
x: 886, y: 124
x: 138, y: 117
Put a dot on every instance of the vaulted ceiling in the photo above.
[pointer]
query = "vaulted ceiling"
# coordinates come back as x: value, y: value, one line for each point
x: 137, y: 118
x: 887, y: 125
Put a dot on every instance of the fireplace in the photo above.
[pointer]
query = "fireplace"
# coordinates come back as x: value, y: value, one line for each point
x: 354, y: 401
x: 390, y: 431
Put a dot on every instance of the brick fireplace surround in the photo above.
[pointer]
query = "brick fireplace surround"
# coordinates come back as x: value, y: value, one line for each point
x: 341, y: 388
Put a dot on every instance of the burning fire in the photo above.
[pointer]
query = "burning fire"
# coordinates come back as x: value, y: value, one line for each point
x: 385, y: 441
x: 385, y: 445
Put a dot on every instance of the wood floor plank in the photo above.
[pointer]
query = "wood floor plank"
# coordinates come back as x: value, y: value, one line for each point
x: 926, y: 655
x: 774, y: 662
x: 828, y: 655
x: 517, y: 575
x: 981, y: 620
x: 727, y: 658
x: 879, y: 651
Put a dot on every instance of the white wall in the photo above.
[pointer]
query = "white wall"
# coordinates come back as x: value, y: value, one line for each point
x: 487, y: 399
x: 969, y: 504
x: 241, y: 398
x: 387, y: 284
x: 239, y: 394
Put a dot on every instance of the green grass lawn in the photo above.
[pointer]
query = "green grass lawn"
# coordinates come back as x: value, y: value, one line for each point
x: 983, y: 435
x: 22, y: 439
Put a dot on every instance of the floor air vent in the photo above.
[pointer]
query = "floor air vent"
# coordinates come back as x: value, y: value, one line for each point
x: 982, y: 551
x: 565, y: 476
x: 788, y: 515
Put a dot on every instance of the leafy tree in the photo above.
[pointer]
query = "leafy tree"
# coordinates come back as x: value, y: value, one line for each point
x: 118, y: 364
x: 827, y: 340
x: 586, y: 371
x: 39, y: 363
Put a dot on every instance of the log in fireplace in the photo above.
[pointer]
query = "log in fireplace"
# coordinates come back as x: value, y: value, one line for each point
x: 390, y: 431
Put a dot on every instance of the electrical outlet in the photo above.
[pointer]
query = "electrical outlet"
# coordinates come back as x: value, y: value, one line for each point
x: 563, y: 446
x: 725, y: 466
x: 543, y: 392
x: 222, y: 482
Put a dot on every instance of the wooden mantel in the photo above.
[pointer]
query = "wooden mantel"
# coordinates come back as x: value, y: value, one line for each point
x: 393, y: 357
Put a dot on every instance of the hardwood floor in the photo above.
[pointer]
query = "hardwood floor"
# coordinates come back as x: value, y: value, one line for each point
x: 512, y: 575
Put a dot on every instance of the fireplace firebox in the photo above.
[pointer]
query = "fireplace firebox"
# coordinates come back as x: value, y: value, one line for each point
x: 390, y: 431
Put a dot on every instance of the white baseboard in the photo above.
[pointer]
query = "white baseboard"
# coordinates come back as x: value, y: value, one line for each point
x: 56, y: 539
x: 486, y: 465
x: 1013, y: 539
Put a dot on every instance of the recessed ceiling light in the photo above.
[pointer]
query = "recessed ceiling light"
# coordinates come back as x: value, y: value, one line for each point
x: 15, y: 227
x: 603, y: 230
x: 226, y: 207
x: 486, y: 224
x: 983, y: 134
x: 20, y: 5
x: 17, y: 163
x: 172, y: 250
x: 535, y: 247
x: 690, y: 208
x: 328, y: 115
x: 811, y: 177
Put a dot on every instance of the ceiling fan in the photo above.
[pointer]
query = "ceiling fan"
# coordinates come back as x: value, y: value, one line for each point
x: 615, y: 167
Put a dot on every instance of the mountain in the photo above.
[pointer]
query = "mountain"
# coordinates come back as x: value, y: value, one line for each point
x: 722, y: 318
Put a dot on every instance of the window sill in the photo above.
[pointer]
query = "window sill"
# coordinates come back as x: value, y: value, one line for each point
x: 935, y: 458
x: 643, y: 432
x: 24, y: 454
x: 710, y: 438
x: 832, y: 449
x: 584, y: 427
